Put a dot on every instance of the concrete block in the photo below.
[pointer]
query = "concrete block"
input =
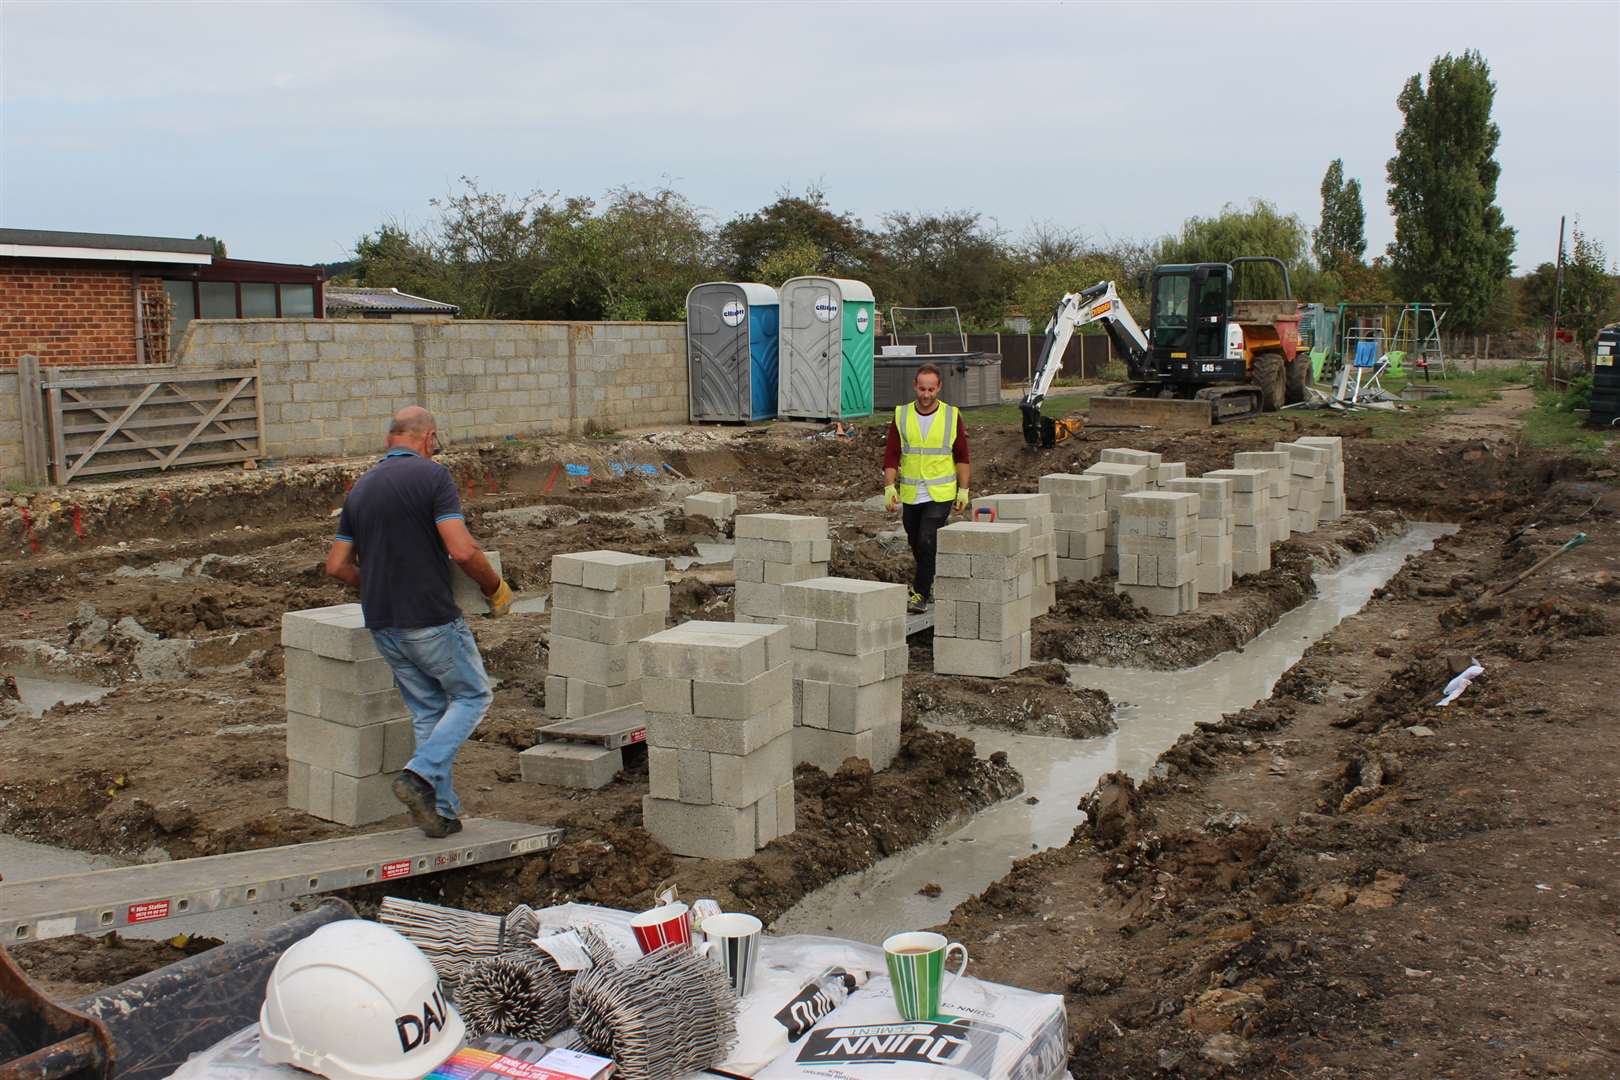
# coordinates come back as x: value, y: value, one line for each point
x: 1119, y: 477
x: 360, y: 677
x: 983, y: 538
x: 1072, y: 485
x: 1246, y: 562
x: 1084, y: 545
x: 556, y: 703
x: 852, y: 709
x: 781, y: 573
x: 1158, y: 505
x: 989, y: 659
x: 673, y: 696
x: 983, y: 590
x: 1158, y: 600
x: 838, y: 667
x: 1302, y: 521
x: 605, y: 629
x: 945, y: 618
x: 361, y: 800
x: 827, y: 750
x: 619, y: 603
x: 399, y: 745
x: 298, y: 627
x: 1124, y: 456
x: 701, y: 832
x: 1000, y: 621
x: 780, y: 527
x: 740, y: 700
x: 821, y: 551
x: 1214, y: 577
x: 587, y: 698
x: 757, y: 598
x: 1178, y: 570
x: 356, y: 751
x: 744, y: 779
x: 467, y: 593
x: 748, y: 569
x: 1001, y: 567
x: 1088, y: 569
x: 607, y: 571
x: 1015, y: 507
x: 786, y: 818
x: 1241, y: 479
x: 964, y: 619
x: 720, y: 736
x: 765, y: 819
x: 896, y: 662
x: 1171, y: 470
x: 610, y: 665
x: 298, y: 786
x: 854, y: 639
x: 1090, y: 521
x: 714, y: 505
x: 714, y: 651
x: 569, y: 764
x: 957, y: 566
x: 655, y: 598
x: 782, y: 551
x: 801, y: 631
x: 810, y: 702
x: 343, y: 707
x: 844, y: 600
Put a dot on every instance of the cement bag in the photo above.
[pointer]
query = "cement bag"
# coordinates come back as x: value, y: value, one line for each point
x: 489, y: 1057
x: 986, y: 1031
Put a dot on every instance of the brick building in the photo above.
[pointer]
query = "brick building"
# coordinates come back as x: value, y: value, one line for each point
x: 100, y: 298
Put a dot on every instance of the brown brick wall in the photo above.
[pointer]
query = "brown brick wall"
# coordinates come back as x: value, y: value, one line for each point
x: 69, y: 315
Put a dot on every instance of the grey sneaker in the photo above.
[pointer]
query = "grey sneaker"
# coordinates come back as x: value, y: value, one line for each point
x: 417, y: 795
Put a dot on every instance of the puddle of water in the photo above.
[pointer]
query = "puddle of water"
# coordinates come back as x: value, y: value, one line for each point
x: 1155, y: 709
x: 38, y: 694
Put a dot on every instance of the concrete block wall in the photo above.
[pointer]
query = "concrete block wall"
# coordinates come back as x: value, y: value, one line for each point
x: 330, y: 385
x: 1080, y: 523
x: 1158, y: 551
x: 1251, y: 510
x: 774, y: 550
x: 719, y: 704
x: 849, y: 654
x: 982, y: 594
x: 1035, y: 511
x: 1214, y: 530
x: 348, y: 730
x: 602, y: 604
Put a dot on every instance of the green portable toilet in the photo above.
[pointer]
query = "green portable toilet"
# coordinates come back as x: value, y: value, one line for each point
x: 826, y: 349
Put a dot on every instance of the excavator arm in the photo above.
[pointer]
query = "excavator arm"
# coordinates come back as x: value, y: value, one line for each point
x: 1100, y: 302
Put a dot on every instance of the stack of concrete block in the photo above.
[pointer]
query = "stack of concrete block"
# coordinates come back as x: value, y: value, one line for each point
x: 1036, y: 512
x: 982, y: 596
x: 717, y: 506
x: 1147, y: 459
x: 1214, y: 530
x: 1121, y: 479
x: 1307, y: 480
x: 849, y: 655
x: 1080, y: 521
x: 1277, y: 465
x: 1251, y: 507
x: 774, y: 550
x: 1168, y: 471
x: 1158, y: 551
x: 602, y: 603
x: 719, y: 737
x: 1333, y: 505
x: 348, y: 730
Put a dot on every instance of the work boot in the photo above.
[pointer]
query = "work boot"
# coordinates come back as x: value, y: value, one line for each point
x: 452, y: 825
x: 916, y: 603
x: 417, y: 795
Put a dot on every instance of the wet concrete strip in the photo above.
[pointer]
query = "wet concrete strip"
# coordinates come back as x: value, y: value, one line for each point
x: 1155, y: 709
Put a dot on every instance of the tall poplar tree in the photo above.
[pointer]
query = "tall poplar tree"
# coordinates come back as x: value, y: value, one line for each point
x: 1452, y: 244
x: 1341, y: 238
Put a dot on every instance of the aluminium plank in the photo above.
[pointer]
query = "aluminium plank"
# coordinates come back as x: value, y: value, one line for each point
x: 613, y: 729
x: 101, y: 900
x: 916, y: 624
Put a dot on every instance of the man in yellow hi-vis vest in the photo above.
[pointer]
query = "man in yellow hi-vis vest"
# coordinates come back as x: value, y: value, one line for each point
x: 925, y: 469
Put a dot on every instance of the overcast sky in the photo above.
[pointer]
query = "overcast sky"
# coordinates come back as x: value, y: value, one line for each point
x: 290, y: 129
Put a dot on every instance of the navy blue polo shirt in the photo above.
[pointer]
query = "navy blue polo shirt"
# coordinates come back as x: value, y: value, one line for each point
x: 391, y: 517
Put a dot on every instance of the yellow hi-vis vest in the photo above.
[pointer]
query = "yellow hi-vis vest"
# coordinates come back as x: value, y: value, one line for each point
x: 926, y: 462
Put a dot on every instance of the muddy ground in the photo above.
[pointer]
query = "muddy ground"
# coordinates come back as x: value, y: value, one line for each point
x: 1313, y: 890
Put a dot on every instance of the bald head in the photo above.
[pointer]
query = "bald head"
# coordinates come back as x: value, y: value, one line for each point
x: 414, y: 429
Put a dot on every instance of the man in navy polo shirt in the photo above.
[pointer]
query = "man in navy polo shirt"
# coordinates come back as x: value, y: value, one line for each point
x: 400, y: 529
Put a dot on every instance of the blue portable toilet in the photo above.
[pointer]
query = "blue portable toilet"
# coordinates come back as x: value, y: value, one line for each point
x: 731, y: 351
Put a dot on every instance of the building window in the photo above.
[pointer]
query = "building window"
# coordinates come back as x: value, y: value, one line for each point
x: 297, y: 301
x: 258, y: 300
x: 218, y: 299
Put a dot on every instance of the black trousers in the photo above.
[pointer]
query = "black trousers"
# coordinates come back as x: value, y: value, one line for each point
x: 922, y: 522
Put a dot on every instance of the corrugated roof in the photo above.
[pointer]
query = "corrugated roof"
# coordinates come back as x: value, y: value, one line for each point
x: 109, y: 241
x: 356, y: 298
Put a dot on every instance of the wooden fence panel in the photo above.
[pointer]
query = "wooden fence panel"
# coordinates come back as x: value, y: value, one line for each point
x: 133, y: 421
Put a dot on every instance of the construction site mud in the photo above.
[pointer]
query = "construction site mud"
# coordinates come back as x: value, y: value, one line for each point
x: 1341, y: 880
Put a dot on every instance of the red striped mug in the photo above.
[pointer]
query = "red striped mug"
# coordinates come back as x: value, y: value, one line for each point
x: 665, y: 925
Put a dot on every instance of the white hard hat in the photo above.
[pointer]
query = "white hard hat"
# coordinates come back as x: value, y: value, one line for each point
x: 356, y: 1001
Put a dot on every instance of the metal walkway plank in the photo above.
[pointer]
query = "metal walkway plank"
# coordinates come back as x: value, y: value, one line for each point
x: 101, y: 900
x: 916, y: 624
x: 612, y: 729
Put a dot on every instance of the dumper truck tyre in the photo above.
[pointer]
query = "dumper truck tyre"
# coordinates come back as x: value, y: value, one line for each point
x: 1268, y: 376
x: 1297, y: 376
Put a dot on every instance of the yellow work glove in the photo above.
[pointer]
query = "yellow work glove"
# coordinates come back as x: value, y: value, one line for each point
x: 500, y: 601
x: 962, y: 500
x: 891, y: 498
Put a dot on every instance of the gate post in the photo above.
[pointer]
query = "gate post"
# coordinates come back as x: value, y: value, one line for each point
x: 31, y: 410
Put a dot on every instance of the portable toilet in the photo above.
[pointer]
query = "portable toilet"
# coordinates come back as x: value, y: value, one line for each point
x: 827, y: 333
x: 731, y: 343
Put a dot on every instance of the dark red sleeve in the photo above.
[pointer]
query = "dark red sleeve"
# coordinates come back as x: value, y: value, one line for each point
x: 891, y: 452
x: 959, y: 448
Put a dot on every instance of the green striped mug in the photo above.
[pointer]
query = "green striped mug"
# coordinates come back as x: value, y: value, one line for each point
x: 917, y: 969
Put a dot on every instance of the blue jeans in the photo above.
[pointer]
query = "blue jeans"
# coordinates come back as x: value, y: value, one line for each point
x: 441, y: 677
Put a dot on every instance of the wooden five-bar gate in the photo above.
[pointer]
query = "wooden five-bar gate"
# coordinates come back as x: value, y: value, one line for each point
x: 78, y: 423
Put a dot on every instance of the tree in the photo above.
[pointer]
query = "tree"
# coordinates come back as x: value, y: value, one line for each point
x: 950, y: 259
x: 1340, y: 239
x: 219, y: 245
x: 1452, y: 244
x: 1591, y: 298
x: 1041, y: 289
x: 1259, y: 230
x: 843, y: 246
